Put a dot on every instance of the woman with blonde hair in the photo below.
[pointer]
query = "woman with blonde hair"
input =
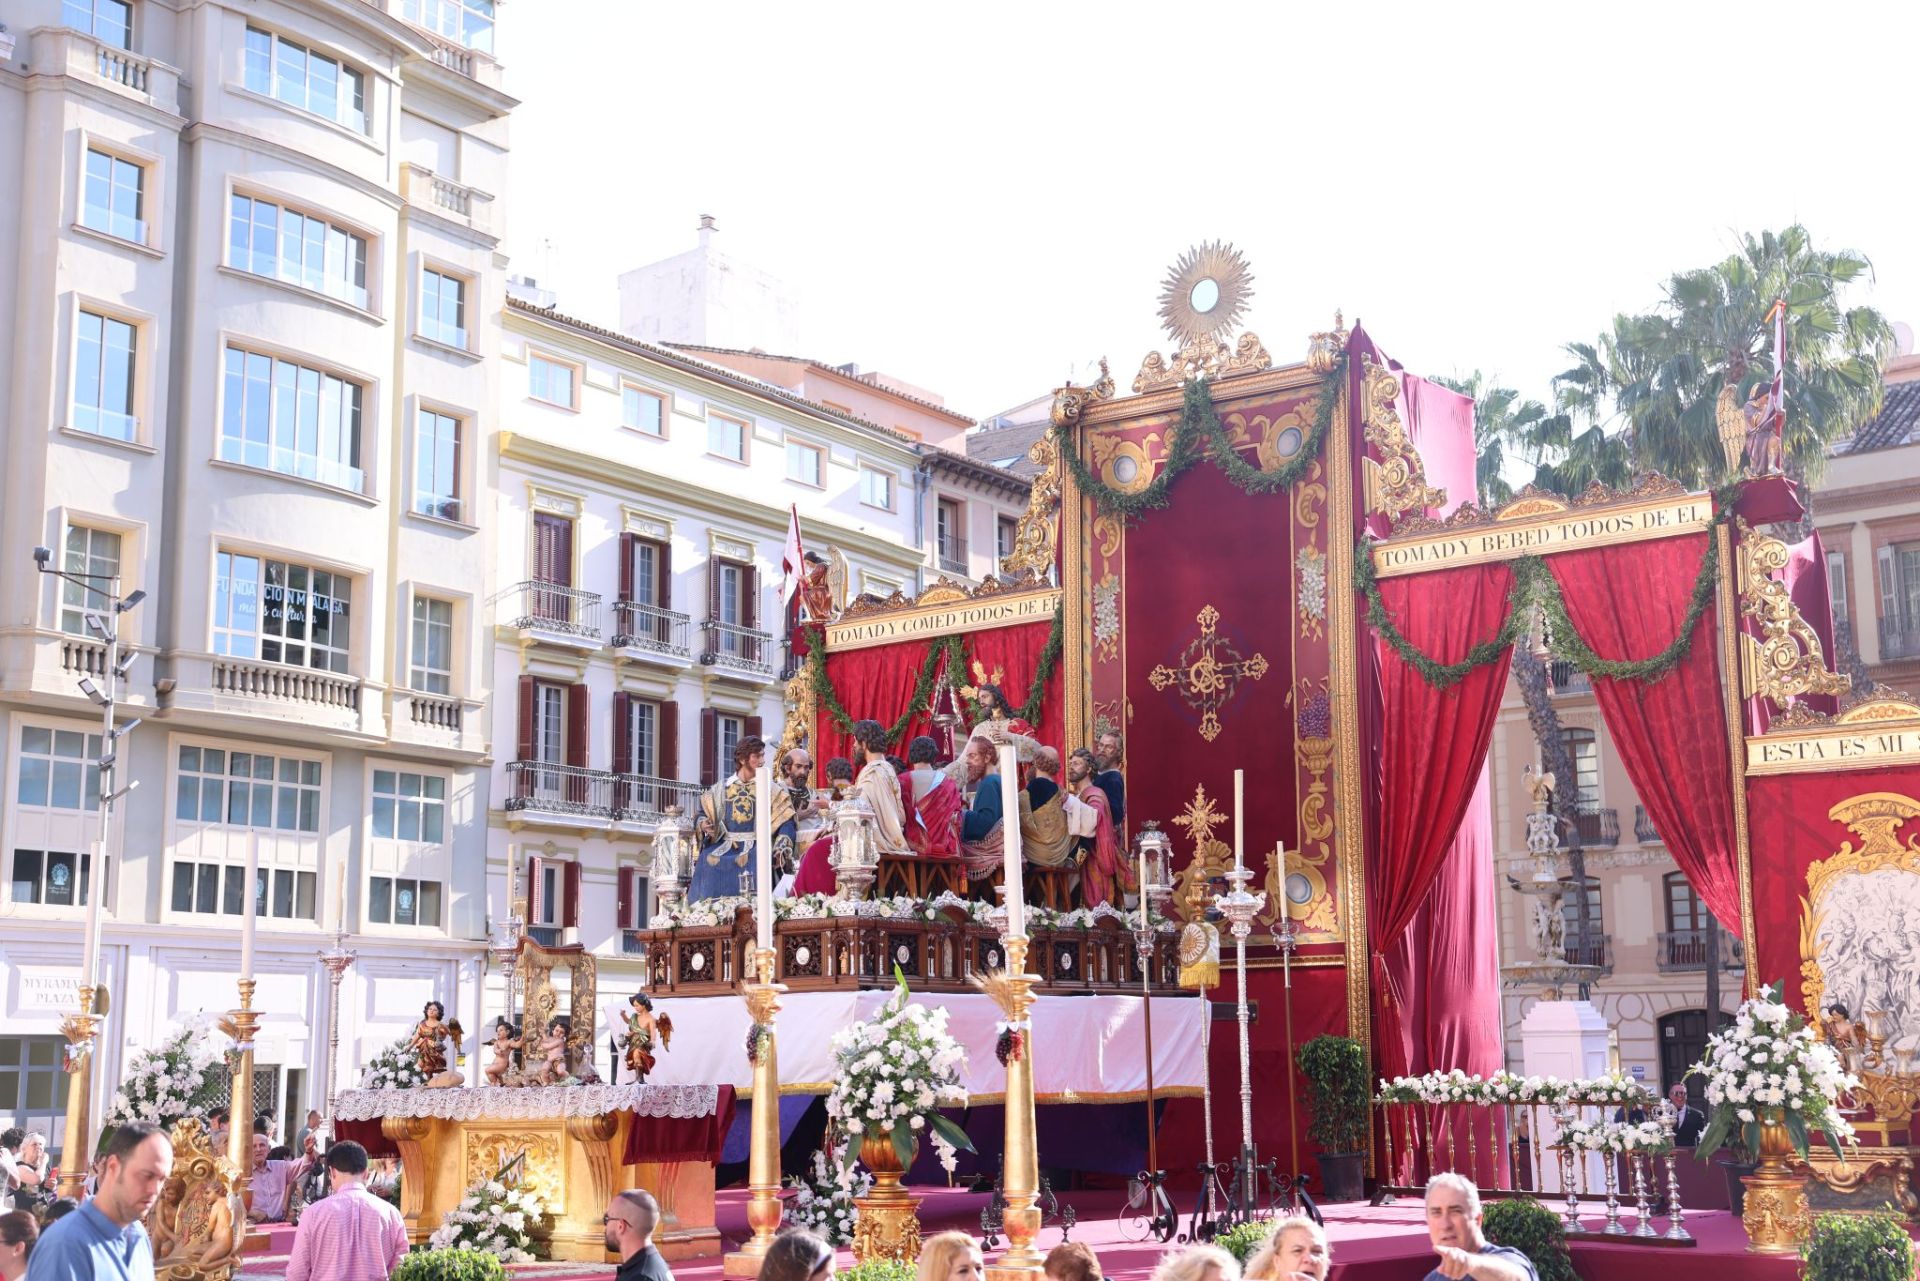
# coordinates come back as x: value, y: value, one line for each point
x: 1297, y: 1251
x: 951, y: 1256
x: 1198, y: 1263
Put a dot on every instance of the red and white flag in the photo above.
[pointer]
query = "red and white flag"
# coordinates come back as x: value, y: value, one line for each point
x: 1777, y: 397
x: 792, y: 560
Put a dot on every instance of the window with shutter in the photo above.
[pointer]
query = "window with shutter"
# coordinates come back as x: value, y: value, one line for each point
x: 622, y: 744
x: 669, y: 748
x: 709, y: 747
x: 572, y: 918
x: 528, y: 696
x: 1837, y: 586
x: 627, y: 542
x: 623, y: 899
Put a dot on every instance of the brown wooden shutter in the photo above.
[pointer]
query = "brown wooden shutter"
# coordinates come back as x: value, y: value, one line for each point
x: 572, y: 878
x: 749, y: 596
x: 529, y: 697
x: 667, y: 753
x: 623, y: 733
x: 579, y: 732
x: 713, y: 590
x: 627, y: 542
x: 663, y: 577
x: 709, y: 747
x: 552, y: 549
x: 533, y: 889
x: 752, y: 729
x: 629, y: 882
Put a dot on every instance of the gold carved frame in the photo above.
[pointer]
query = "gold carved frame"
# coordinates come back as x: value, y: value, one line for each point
x: 538, y: 963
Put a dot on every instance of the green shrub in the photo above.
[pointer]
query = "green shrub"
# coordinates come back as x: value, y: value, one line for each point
x: 1858, y: 1247
x: 1535, y: 1231
x: 1242, y: 1240
x: 450, y: 1265
x: 880, y: 1270
x: 1336, y: 1072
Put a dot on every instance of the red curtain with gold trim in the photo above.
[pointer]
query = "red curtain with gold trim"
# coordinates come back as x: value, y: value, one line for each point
x: 1433, y: 745
x: 1628, y: 603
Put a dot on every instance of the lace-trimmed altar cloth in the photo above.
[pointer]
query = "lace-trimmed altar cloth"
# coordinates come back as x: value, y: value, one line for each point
x: 497, y: 1103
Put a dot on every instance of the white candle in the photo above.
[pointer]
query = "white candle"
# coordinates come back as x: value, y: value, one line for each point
x: 96, y: 890
x: 1010, y: 827
x: 1239, y: 818
x: 252, y: 893
x: 763, y: 854
x: 339, y: 895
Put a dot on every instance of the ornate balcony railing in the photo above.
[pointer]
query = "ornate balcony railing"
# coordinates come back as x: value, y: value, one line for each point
x: 1568, y: 679
x: 1643, y: 828
x: 649, y: 628
x: 272, y: 682
x: 1595, y: 829
x: 953, y: 555
x: 1899, y: 636
x: 81, y: 656
x: 633, y: 942
x: 1589, y: 949
x: 642, y: 798
x: 738, y: 649
x: 551, y: 607
x: 545, y: 788
x: 423, y: 187
x: 1682, y: 951
x: 544, y: 935
x: 433, y: 712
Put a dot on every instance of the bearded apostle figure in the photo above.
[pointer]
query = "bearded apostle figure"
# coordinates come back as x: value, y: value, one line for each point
x: 1104, y: 877
x: 880, y: 786
x: 933, y: 823
x: 1044, y: 835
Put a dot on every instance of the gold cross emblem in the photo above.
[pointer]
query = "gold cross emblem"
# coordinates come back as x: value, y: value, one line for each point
x: 1209, y: 673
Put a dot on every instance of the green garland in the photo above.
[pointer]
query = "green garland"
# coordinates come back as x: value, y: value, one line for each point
x: 1199, y: 431
x: 954, y: 650
x: 1533, y: 584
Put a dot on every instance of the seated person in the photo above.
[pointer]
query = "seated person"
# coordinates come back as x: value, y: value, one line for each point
x: 1044, y: 836
x: 981, y: 835
x: 934, y: 803
x: 879, y: 786
x: 1105, y: 875
x: 815, y: 874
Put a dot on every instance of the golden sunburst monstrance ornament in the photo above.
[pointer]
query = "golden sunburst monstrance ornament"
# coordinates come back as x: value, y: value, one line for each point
x: 1205, y: 292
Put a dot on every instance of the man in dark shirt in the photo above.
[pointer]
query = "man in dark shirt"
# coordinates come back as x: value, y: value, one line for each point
x: 1108, y: 751
x: 1453, y: 1225
x: 631, y: 1217
x: 1688, y: 1122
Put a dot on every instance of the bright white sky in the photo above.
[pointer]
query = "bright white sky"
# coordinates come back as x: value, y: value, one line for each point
x: 982, y: 198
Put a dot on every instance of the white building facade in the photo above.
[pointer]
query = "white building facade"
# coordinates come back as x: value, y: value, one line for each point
x: 249, y: 369
x: 638, y: 631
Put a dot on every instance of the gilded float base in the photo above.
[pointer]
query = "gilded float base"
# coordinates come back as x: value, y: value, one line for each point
x: 1776, y: 1217
x: 763, y: 1216
x: 573, y: 1163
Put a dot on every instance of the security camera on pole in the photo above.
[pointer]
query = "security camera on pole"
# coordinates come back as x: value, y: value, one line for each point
x: 100, y: 594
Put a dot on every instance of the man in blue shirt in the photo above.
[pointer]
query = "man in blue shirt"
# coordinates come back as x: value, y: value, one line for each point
x: 1453, y: 1225
x: 103, y: 1240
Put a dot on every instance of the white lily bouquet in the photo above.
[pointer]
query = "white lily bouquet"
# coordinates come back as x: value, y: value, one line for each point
x: 893, y: 1073
x: 498, y: 1218
x: 395, y: 1068
x: 1768, y: 1067
x: 172, y: 1080
x: 823, y: 1198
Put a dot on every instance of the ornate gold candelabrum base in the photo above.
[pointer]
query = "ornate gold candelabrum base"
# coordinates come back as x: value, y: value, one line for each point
x: 889, y: 1223
x: 240, y: 1025
x: 1012, y: 991
x: 76, y: 1144
x: 1776, y: 1216
x: 763, y: 1161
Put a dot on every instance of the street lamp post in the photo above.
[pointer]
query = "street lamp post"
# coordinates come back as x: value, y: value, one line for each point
x: 82, y: 1029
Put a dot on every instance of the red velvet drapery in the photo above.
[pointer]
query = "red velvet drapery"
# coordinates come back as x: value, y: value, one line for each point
x: 1014, y: 652
x: 1627, y: 603
x: 1434, y: 743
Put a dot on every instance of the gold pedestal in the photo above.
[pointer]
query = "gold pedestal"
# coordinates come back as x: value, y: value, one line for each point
x: 889, y: 1222
x: 763, y: 1161
x: 240, y: 1025
x: 1012, y: 991
x: 575, y: 1164
x: 1776, y: 1216
x: 76, y: 1152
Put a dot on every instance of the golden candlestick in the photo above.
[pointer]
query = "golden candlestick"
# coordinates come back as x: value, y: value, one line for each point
x: 1012, y: 991
x: 763, y: 1162
x: 240, y: 1025
x: 77, y: 1144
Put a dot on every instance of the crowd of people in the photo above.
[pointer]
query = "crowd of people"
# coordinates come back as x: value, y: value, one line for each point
x: 1072, y: 811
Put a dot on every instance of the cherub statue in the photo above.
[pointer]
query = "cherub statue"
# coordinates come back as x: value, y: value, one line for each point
x: 428, y: 1044
x: 642, y: 1027
x: 506, y: 1039
x: 1539, y: 785
x: 554, y: 1068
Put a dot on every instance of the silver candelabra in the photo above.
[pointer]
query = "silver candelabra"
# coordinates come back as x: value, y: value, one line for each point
x: 1240, y: 907
x: 337, y: 959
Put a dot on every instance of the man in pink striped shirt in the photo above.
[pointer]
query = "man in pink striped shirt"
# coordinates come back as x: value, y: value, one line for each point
x: 351, y: 1235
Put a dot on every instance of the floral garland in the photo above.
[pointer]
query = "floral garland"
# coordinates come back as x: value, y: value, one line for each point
x: 1615, y: 1137
x: 495, y: 1217
x: 1199, y: 432
x: 1457, y: 1087
x: 1533, y: 584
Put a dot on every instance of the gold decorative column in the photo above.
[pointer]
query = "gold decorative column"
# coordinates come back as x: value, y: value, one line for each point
x: 240, y: 1025
x: 76, y: 1144
x: 763, y: 1163
x: 1012, y: 991
x: 1776, y: 1217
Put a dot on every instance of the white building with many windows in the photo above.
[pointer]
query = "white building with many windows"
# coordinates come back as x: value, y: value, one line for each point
x: 642, y: 507
x: 252, y: 255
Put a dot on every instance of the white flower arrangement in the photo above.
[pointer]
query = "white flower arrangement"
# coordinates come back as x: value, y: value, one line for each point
x: 172, y: 1080
x: 1613, y: 1137
x: 1767, y: 1065
x: 716, y: 912
x: 496, y: 1217
x: 823, y: 1199
x: 894, y: 1072
x: 1457, y: 1087
x: 395, y: 1068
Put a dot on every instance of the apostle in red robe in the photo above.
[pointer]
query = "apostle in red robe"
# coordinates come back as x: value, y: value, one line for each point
x: 1104, y: 876
x: 815, y: 873
x: 933, y: 815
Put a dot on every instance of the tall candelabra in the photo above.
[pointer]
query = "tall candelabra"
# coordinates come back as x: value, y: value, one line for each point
x: 1012, y: 991
x: 240, y: 1025
x: 1240, y: 907
x: 763, y: 1158
x: 1669, y: 1116
x: 504, y: 948
x: 336, y: 958
x: 79, y: 1029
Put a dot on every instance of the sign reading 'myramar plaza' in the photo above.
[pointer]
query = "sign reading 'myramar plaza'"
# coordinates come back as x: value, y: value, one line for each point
x: 973, y: 615
x: 1511, y: 535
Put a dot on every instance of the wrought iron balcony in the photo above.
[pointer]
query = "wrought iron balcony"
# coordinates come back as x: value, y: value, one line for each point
x: 1900, y: 636
x: 1567, y: 679
x: 737, y: 649
x: 633, y: 942
x: 1589, y: 949
x: 1682, y: 951
x: 652, y: 630
x: 1595, y: 829
x: 555, y: 609
x: 953, y: 555
x: 1643, y: 828
x: 642, y: 798
x: 545, y: 788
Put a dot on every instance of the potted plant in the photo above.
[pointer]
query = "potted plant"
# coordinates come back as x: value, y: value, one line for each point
x: 1772, y: 1083
x: 450, y: 1265
x: 892, y: 1075
x: 1859, y: 1247
x: 1337, y: 1081
x: 1536, y: 1231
